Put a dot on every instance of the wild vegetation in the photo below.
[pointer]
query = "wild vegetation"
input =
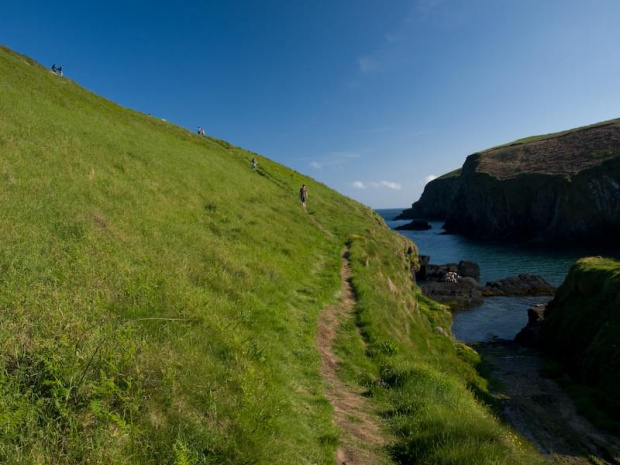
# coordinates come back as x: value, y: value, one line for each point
x: 581, y: 330
x: 159, y: 301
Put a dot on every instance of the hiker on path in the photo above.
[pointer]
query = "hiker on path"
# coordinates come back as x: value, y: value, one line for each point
x: 303, y: 195
x: 60, y: 70
x: 54, y: 68
x: 199, y: 130
x: 254, y: 164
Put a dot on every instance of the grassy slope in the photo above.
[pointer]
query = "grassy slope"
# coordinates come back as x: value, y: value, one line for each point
x: 158, y: 300
x: 581, y: 330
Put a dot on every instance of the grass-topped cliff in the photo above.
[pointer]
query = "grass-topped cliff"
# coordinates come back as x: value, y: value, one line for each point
x: 159, y: 301
x: 561, y: 187
x: 582, y: 331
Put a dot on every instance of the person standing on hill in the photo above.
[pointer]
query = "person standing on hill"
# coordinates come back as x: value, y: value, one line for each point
x: 254, y: 164
x: 203, y: 132
x: 60, y: 70
x: 54, y: 68
x: 199, y: 130
x: 303, y: 195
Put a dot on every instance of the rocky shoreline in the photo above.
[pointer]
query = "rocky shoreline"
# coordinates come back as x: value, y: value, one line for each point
x: 457, y: 284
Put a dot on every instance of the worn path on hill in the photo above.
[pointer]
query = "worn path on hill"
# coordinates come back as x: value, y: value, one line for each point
x: 362, y: 438
x: 542, y: 412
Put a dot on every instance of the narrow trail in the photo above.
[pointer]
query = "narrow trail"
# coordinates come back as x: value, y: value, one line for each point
x: 361, y: 433
x: 542, y: 412
x: 318, y: 224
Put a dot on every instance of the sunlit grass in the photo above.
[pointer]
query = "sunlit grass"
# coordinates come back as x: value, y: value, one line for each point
x: 159, y: 300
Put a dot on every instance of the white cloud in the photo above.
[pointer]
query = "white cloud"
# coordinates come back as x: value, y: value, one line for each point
x: 391, y: 185
x: 377, y: 185
x: 333, y: 159
x: 366, y: 64
x: 429, y: 178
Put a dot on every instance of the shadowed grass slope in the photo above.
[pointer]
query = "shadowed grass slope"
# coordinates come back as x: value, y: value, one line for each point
x: 582, y: 332
x: 159, y: 299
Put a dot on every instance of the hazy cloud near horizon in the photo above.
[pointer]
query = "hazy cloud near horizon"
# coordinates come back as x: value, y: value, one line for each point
x: 377, y: 184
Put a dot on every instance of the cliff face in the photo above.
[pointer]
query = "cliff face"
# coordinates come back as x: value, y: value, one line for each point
x: 436, y: 199
x: 561, y: 187
x: 582, y: 327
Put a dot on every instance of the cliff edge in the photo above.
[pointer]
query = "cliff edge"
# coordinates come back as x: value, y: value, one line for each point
x: 581, y: 328
x: 561, y: 187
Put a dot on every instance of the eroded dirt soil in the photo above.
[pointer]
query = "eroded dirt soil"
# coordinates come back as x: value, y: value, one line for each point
x: 362, y: 437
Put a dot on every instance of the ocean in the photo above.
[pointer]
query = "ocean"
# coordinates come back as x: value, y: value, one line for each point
x: 498, y: 317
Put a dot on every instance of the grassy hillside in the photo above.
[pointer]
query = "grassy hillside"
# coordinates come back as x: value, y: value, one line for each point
x: 159, y: 301
x: 581, y: 330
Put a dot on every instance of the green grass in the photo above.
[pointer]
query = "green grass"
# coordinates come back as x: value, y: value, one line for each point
x: 426, y: 385
x: 555, y: 135
x: 159, y: 300
x: 452, y: 174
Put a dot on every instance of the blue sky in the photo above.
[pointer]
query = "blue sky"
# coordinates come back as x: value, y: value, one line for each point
x: 371, y: 97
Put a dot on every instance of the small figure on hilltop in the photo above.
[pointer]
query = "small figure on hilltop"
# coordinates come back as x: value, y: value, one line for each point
x: 60, y: 70
x: 303, y: 195
x: 199, y: 130
x: 204, y: 132
x: 54, y: 68
x: 254, y: 164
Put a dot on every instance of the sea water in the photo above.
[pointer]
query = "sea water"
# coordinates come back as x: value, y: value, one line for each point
x: 498, y: 317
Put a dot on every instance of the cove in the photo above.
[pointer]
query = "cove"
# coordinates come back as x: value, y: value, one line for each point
x: 498, y: 317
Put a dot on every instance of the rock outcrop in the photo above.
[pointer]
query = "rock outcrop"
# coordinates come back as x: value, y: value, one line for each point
x: 436, y: 199
x: 465, y: 293
x: 581, y: 328
x: 520, y: 285
x: 468, y: 269
x: 415, y: 225
x: 562, y: 187
x: 531, y: 334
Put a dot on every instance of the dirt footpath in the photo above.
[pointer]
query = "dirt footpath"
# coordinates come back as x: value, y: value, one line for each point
x: 541, y: 411
x: 362, y: 438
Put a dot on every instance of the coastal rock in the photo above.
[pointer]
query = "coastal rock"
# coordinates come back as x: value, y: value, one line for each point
x: 420, y: 273
x: 581, y: 329
x: 439, y: 272
x: 415, y: 225
x: 531, y: 334
x: 521, y: 285
x: 558, y: 188
x: 469, y: 269
x: 465, y: 293
x: 436, y: 198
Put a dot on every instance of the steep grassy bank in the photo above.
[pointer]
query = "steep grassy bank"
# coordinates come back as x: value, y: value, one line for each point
x: 582, y: 331
x: 159, y: 300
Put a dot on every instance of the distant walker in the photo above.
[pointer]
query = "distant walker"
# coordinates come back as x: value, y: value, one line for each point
x: 303, y: 195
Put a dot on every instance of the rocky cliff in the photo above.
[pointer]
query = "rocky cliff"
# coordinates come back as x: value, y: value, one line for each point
x: 560, y: 187
x: 436, y: 199
x: 581, y: 328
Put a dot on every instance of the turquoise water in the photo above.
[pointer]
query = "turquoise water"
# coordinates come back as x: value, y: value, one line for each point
x: 499, y: 317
